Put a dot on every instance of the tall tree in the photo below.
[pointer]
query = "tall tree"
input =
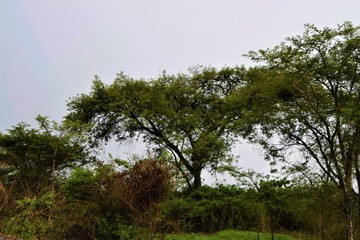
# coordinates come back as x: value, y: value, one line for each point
x: 307, y: 92
x: 35, y: 155
x: 188, y: 115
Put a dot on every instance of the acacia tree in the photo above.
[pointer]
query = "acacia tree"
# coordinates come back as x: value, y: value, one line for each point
x: 188, y: 115
x: 307, y: 92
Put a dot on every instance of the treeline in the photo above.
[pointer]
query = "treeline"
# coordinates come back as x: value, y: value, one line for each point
x: 302, y: 96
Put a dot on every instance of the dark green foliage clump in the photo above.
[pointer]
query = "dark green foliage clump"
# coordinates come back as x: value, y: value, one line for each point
x: 211, y: 209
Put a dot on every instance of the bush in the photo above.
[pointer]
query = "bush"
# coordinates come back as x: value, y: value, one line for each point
x: 34, y: 217
x: 81, y: 185
x: 120, y: 204
x: 211, y: 209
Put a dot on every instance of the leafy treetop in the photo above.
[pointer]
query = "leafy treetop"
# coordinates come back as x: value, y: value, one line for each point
x: 189, y: 115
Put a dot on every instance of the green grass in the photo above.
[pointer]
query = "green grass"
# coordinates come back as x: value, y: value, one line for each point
x: 229, y: 235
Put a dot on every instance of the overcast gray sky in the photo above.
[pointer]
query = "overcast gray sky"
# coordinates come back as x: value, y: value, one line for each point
x: 50, y: 50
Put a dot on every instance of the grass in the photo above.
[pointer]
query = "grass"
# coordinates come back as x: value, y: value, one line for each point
x: 229, y: 235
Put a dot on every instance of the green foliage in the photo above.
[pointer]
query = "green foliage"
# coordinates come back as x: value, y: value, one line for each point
x: 307, y: 94
x: 211, y: 209
x: 188, y: 115
x: 117, y: 204
x: 268, y: 193
x: 33, y: 217
x: 38, y: 155
x: 128, y: 232
x: 304, y: 95
x: 81, y: 185
x: 315, y: 211
x: 101, y: 203
x: 229, y: 235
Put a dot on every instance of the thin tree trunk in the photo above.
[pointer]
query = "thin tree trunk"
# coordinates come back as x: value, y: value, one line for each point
x: 272, y: 224
x: 350, y: 226
x: 349, y: 214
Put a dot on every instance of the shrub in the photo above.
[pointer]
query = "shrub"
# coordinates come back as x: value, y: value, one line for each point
x: 210, y: 209
x: 120, y: 203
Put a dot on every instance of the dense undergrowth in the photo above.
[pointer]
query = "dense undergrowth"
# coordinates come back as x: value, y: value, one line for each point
x: 230, y: 235
x: 144, y: 201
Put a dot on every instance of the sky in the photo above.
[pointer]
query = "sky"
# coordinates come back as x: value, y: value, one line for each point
x: 51, y: 50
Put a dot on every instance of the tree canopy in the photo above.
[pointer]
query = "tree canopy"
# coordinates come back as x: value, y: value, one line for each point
x: 308, y: 91
x: 188, y: 115
x: 37, y: 154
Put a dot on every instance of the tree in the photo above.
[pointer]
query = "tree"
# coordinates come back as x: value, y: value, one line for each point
x: 307, y: 94
x: 36, y: 155
x: 268, y: 193
x: 188, y: 115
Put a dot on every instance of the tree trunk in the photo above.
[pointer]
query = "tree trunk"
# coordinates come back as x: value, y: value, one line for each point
x: 272, y: 223
x: 349, y: 214
x: 350, y: 227
x: 197, y: 179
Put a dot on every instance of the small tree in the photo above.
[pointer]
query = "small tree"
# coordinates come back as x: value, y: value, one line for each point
x: 36, y: 155
x: 269, y: 194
